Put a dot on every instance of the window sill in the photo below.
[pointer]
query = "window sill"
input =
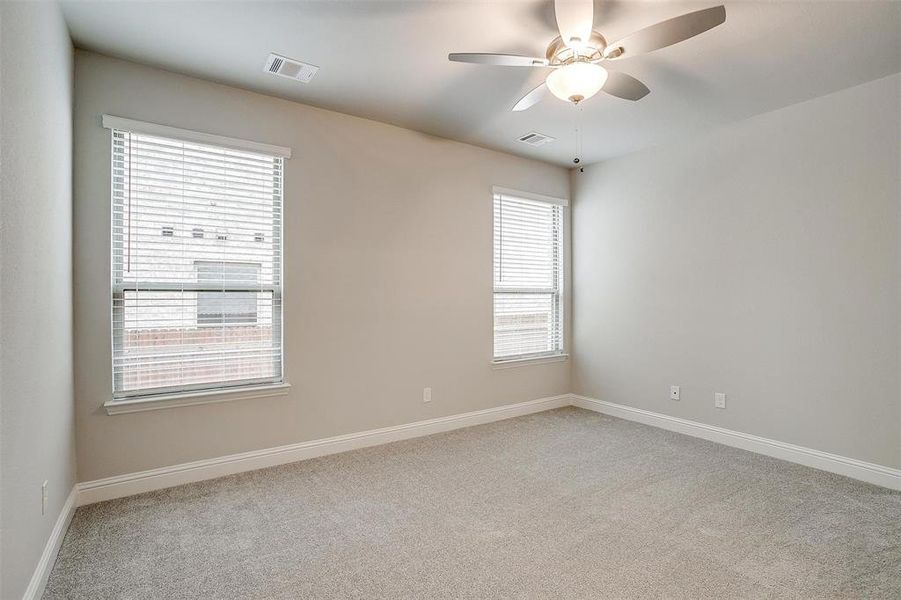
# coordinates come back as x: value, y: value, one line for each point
x: 132, y: 405
x: 524, y: 362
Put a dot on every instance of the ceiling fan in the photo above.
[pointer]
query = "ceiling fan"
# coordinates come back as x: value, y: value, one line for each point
x: 575, y: 55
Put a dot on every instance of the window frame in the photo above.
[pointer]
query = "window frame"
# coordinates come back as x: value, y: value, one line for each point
x: 559, y: 290
x: 201, y: 393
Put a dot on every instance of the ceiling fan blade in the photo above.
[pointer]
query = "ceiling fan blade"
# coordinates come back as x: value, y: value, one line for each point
x: 625, y: 86
x: 532, y: 98
x: 666, y: 33
x: 575, y: 18
x: 503, y: 60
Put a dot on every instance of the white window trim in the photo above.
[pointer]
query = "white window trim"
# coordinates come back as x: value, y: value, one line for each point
x: 186, y: 135
x: 510, y: 363
x: 146, y: 403
x: 497, y: 190
x: 549, y: 357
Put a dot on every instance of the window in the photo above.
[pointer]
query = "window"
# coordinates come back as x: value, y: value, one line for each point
x: 193, y: 312
x: 528, y: 275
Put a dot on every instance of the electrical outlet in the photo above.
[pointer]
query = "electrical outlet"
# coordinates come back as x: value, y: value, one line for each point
x: 44, y: 497
x: 674, y: 392
x: 719, y: 400
x: 426, y: 394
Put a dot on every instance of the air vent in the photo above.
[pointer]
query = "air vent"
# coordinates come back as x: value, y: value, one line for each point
x: 536, y: 139
x: 292, y: 69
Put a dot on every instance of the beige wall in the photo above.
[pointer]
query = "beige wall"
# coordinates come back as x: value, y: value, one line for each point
x: 388, y: 273
x: 37, y: 425
x: 761, y: 260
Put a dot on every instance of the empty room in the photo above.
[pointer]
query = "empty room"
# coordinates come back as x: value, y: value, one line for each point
x: 439, y: 299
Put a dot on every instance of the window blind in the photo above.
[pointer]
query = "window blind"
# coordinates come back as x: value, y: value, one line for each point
x: 528, y: 277
x: 196, y: 265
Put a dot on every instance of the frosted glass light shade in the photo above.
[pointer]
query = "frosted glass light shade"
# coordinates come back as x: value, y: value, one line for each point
x: 577, y: 81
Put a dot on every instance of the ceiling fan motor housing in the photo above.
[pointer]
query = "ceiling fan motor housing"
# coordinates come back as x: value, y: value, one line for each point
x: 559, y: 54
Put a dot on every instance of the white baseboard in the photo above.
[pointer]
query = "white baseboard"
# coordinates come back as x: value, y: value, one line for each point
x: 849, y: 467
x: 164, y: 477
x: 35, y: 588
x: 156, y: 479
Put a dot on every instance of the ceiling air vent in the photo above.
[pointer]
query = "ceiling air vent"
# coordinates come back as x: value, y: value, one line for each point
x: 536, y: 139
x: 292, y: 69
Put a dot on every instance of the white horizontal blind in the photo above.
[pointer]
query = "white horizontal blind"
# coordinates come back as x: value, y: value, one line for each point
x: 196, y: 266
x: 528, y: 277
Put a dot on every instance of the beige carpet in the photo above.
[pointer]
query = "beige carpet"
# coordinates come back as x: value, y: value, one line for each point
x: 561, y: 504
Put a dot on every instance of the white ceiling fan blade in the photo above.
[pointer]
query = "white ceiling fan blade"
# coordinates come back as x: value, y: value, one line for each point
x: 666, y: 33
x: 625, y: 86
x: 532, y: 98
x: 575, y: 18
x: 503, y: 60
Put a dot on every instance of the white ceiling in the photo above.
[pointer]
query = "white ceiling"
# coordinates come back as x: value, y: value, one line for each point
x: 387, y: 60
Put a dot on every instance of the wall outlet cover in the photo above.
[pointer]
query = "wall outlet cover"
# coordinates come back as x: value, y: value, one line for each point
x: 674, y: 392
x: 719, y: 400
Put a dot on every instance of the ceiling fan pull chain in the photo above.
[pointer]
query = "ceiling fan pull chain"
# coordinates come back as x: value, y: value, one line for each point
x: 578, y: 158
x: 579, y: 129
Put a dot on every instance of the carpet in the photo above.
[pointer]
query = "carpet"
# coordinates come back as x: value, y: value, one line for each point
x: 561, y: 504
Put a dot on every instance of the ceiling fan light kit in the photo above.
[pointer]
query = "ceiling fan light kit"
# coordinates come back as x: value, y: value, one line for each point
x: 577, y: 81
x: 575, y: 55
